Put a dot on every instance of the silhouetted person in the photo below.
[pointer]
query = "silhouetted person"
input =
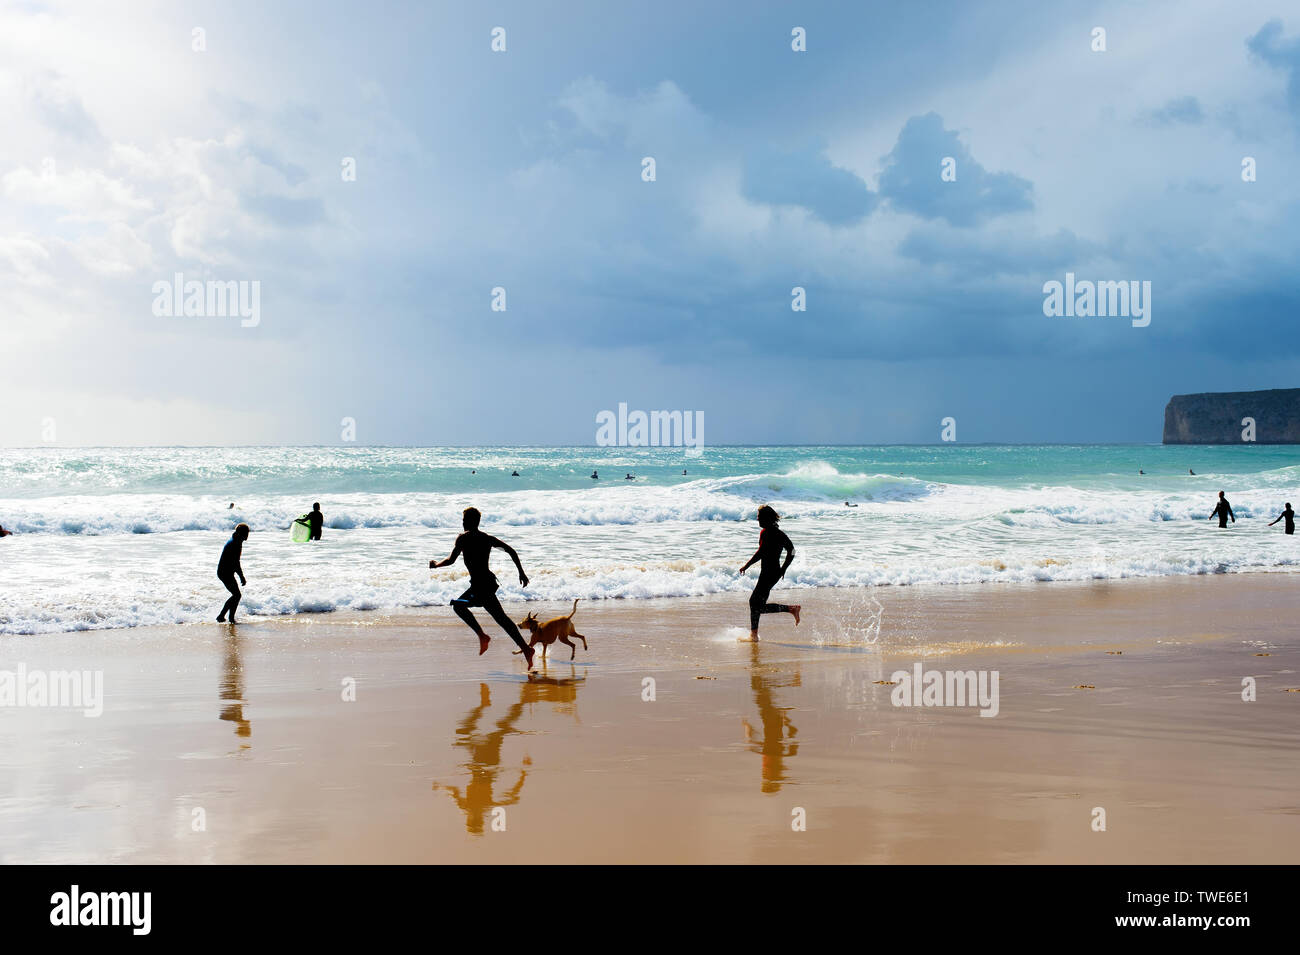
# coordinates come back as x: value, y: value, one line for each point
x: 595, y: 476
x: 1140, y: 471
x: 1191, y: 472
x: 231, y: 507
x: 1289, y: 526
x: 228, y: 567
x: 1223, y: 511
x: 477, y: 548
x: 514, y: 474
x: 315, y: 520
x: 629, y: 478
x: 771, y: 542
x: 847, y: 504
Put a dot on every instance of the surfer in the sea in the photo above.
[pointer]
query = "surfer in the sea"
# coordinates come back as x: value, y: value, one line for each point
x: 315, y: 520
x: 477, y: 548
x: 1288, y: 514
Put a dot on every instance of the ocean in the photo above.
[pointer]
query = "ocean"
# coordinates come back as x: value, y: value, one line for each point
x: 117, y: 537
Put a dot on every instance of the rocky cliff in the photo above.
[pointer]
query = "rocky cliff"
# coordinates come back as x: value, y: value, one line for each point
x: 1216, y: 418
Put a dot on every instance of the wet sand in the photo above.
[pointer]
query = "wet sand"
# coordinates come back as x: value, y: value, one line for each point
x: 446, y: 756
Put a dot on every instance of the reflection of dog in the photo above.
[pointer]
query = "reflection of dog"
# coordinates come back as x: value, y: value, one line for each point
x: 557, y: 628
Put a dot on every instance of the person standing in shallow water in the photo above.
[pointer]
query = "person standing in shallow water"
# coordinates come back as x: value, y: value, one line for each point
x: 315, y: 520
x: 477, y: 548
x: 772, y: 541
x: 1289, y: 526
x: 228, y: 567
x: 1223, y: 511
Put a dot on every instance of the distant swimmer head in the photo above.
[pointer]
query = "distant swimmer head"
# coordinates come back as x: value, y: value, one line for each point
x: 241, y: 532
x: 767, y: 517
x: 595, y: 476
x: 471, y: 518
x: 514, y: 474
x: 1190, y: 471
x: 231, y: 507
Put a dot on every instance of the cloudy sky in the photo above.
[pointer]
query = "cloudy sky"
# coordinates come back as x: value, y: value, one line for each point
x: 128, y: 156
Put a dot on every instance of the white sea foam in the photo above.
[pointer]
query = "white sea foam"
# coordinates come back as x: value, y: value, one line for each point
x: 128, y: 542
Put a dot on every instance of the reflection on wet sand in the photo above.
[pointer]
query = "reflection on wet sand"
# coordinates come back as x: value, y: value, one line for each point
x: 776, y: 723
x: 232, y: 686
x: 484, y: 763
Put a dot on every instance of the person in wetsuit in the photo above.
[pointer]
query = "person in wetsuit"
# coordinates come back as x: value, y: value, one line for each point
x: 771, y: 542
x: 315, y: 520
x: 228, y: 567
x: 1223, y: 511
x: 477, y: 548
x: 1289, y: 526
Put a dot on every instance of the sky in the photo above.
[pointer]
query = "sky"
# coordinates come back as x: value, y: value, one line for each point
x: 136, y: 149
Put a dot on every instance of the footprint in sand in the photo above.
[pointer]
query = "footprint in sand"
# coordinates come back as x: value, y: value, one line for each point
x: 1084, y: 686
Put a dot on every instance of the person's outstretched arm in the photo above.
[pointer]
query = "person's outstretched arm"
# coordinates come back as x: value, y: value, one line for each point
x: 758, y: 554
x: 523, y: 578
x: 1274, y: 520
x: 1232, y: 515
x: 455, y: 552
x: 240, y: 568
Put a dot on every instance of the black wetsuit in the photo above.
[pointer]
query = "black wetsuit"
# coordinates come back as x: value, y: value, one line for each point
x: 1224, y: 510
x: 1289, y: 517
x: 477, y: 548
x: 771, y: 542
x: 315, y: 520
x: 227, y: 569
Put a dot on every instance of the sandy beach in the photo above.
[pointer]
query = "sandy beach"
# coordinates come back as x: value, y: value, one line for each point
x: 237, y: 745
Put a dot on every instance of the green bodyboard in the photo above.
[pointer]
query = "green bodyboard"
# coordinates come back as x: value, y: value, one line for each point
x: 300, y: 530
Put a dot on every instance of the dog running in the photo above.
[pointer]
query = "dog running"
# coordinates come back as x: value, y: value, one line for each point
x: 557, y: 628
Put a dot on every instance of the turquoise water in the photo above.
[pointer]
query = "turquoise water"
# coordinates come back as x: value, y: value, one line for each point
x: 119, y: 537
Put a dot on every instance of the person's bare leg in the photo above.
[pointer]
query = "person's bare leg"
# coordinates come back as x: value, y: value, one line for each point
x: 462, y: 611
x: 794, y: 612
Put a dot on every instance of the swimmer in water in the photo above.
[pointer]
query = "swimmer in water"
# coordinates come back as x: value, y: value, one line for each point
x: 595, y: 476
x: 1288, y: 514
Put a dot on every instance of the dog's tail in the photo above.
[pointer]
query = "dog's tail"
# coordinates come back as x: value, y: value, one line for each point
x: 575, y: 608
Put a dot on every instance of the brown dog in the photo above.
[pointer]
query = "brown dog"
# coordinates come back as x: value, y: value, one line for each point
x: 557, y: 628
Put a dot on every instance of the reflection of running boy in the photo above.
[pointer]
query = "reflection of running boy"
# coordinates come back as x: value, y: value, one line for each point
x: 477, y: 548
